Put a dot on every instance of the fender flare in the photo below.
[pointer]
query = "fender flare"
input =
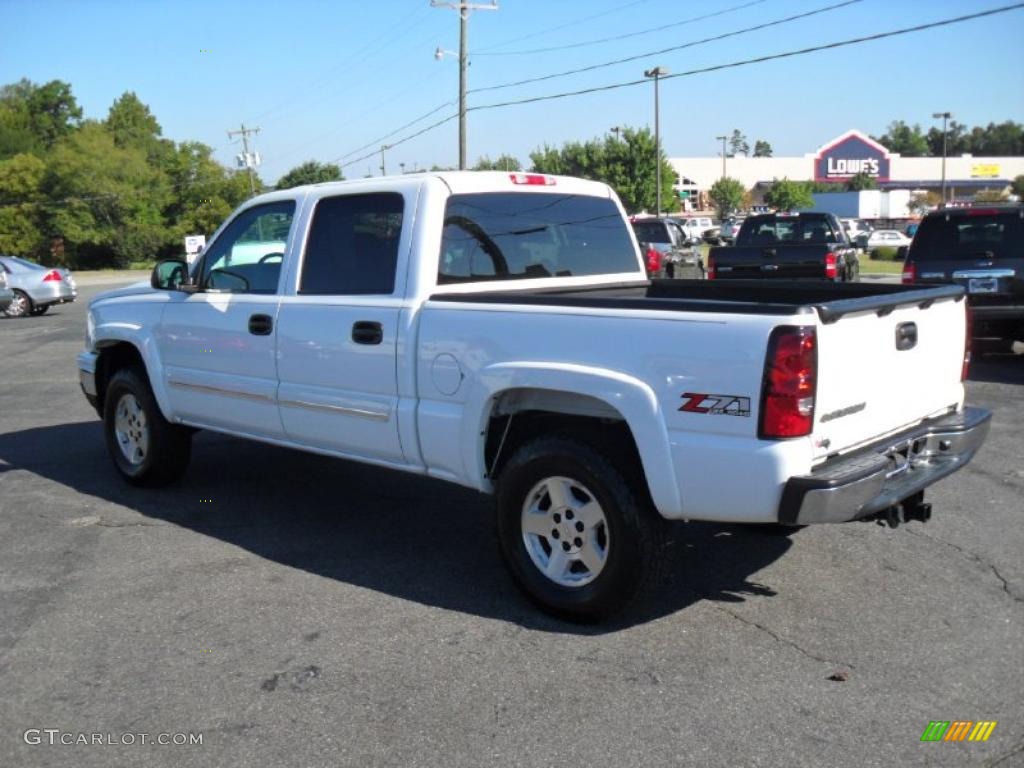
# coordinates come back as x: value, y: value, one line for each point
x: 119, y: 333
x: 629, y: 396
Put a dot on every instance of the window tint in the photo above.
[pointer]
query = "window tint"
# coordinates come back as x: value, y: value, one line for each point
x: 651, y: 231
x: 247, y: 256
x: 966, y: 236
x: 508, y: 236
x: 353, y: 245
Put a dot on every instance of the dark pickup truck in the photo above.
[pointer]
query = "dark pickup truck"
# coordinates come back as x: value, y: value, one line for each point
x: 981, y: 249
x: 791, y: 246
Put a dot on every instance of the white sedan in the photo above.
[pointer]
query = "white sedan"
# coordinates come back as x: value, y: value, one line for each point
x: 887, y: 238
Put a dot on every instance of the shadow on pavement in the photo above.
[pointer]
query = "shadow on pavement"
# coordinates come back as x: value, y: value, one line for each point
x: 997, y: 362
x: 405, y: 535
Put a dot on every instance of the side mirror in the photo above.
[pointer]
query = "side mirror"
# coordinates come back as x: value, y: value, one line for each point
x: 169, y: 275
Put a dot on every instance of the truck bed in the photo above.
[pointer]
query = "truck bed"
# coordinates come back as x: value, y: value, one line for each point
x: 829, y: 300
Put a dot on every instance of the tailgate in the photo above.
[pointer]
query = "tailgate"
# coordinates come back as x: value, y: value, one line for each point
x: 882, y: 371
x: 782, y: 261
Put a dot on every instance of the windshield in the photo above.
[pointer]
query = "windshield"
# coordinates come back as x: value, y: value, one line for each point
x: 997, y: 235
x: 508, y: 236
x: 651, y: 232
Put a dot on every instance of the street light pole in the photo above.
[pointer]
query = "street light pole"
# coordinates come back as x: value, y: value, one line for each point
x: 383, y: 149
x: 463, y: 8
x: 656, y: 73
x: 723, y: 140
x: 945, y: 117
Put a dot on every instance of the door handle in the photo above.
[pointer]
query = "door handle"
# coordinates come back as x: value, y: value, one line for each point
x: 906, y: 336
x: 261, y: 325
x: 367, y: 332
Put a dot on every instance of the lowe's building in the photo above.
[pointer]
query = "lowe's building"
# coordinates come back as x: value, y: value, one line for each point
x: 839, y: 160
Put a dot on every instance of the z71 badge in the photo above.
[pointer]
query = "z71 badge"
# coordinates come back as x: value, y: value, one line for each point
x: 727, y: 405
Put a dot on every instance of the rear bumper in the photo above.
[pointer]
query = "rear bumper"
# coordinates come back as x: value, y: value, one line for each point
x: 54, y: 293
x: 880, y: 476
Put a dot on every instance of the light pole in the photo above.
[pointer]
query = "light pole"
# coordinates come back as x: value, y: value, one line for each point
x: 945, y: 117
x: 383, y: 149
x: 723, y: 140
x: 617, y: 130
x: 463, y: 8
x: 656, y: 73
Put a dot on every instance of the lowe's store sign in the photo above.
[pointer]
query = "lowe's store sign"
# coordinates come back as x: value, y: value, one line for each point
x: 850, y: 154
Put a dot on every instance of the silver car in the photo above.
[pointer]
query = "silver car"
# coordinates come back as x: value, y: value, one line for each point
x: 36, y: 288
x: 6, y: 294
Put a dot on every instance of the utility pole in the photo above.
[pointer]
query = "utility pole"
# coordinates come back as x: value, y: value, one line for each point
x: 463, y: 8
x: 723, y: 140
x: 383, y: 149
x: 945, y: 116
x: 247, y: 159
x: 656, y: 73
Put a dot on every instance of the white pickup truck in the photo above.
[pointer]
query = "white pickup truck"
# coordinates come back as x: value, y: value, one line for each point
x: 498, y: 331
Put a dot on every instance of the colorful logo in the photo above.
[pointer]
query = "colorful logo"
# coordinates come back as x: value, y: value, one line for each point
x: 958, y: 730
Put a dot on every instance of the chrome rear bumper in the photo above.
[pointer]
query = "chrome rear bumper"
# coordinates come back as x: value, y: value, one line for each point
x: 881, y: 476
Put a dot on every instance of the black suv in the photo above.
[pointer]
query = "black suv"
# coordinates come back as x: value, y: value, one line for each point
x: 981, y: 249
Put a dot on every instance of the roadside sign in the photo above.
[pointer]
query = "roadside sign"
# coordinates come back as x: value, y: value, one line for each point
x: 194, y: 244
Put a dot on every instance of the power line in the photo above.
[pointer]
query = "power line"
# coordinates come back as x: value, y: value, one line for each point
x: 378, y: 140
x: 617, y: 38
x: 671, y: 49
x: 548, y: 31
x: 399, y: 142
x: 759, y: 59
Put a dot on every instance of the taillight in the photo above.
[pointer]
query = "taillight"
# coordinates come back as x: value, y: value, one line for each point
x: 653, y: 260
x: 790, y: 383
x: 909, y: 273
x: 968, y: 332
x: 830, y: 266
x: 52, y: 276
x: 710, y: 272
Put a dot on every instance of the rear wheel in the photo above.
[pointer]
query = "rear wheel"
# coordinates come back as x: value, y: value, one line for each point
x: 578, y: 538
x: 20, y: 306
x: 145, y: 447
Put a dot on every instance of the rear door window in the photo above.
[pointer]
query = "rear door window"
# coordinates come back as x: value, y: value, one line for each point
x: 651, y: 231
x: 997, y: 235
x: 509, y: 236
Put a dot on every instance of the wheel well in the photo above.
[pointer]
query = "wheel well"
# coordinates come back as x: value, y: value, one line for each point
x: 518, y: 416
x: 110, y: 361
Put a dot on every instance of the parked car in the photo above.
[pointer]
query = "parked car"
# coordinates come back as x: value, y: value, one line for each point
x: 36, y: 288
x: 729, y: 228
x: 886, y: 238
x: 981, y: 249
x: 695, y: 227
x: 857, y: 232
x: 802, y: 246
x: 499, y: 331
x: 667, y: 248
x: 6, y: 294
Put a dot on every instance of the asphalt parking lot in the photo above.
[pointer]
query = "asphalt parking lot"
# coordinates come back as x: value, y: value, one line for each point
x: 296, y: 610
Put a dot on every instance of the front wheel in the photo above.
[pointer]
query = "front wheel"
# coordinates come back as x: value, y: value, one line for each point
x: 579, y: 539
x: 146, y: 448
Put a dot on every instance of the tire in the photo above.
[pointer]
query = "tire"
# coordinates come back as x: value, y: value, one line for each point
x: 20, y: 306
x: 569, y: 486
x: 37, y: 311
x: 146, y: 448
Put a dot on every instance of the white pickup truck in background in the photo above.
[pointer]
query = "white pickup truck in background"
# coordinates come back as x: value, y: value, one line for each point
x: 498, y: 331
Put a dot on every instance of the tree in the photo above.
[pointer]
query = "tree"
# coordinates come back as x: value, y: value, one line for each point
x: 762, y: 149
x: 20, y: 193
x: 50, y: 111
x: 922, y: 202
x: 727, y: 194
x: 738, y: 144
x: 991, y: 196
x: 310, y: 172
x: 500, y: 163
x: 786, y: 195
x: 957, y: 140
x: 625, y: 163
x: 860, y: 182
x: 904, y: 139
x: 131, y: 123
x: 1017, y: 187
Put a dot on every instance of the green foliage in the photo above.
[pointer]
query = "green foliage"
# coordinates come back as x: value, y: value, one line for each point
x: 310, y: 172
x: 46, y: 112
x: 500, y: 163
x: 991, y: 196
x: 625, y: 163
x: 861, y: 181
x: 884, y: 253
x: 762, y: 149
x: 993, y: 140
x: 727, y: 194
x: 903, y: 139
x: 738, y: 144
x: 20, y: 190
x: 1017, y: 187
x: 924, y: 201
x: 786, y: 195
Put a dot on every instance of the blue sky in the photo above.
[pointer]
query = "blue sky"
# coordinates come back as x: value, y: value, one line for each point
x: 325, y: 77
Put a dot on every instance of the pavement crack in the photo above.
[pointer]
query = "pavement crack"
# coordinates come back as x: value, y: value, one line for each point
x: 974, y: 558
x: 783, y: 640
x: 1016, y: 750
x: 127, y: 524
